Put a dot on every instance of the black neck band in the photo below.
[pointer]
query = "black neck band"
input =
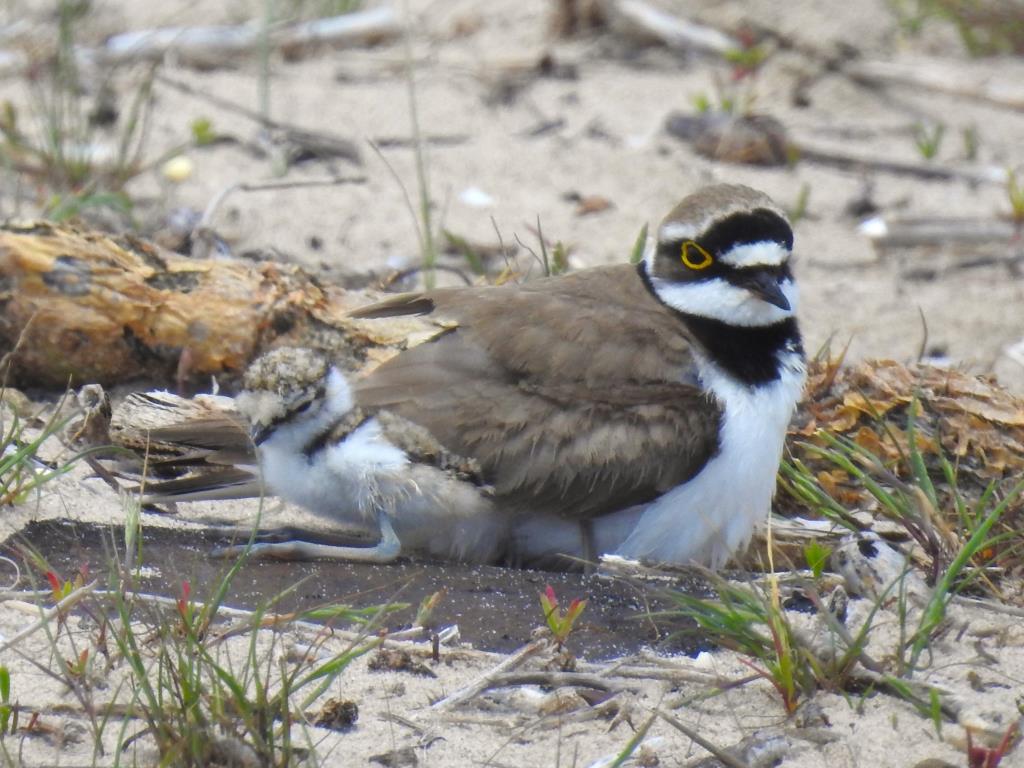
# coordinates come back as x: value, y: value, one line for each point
x: 749, y: 353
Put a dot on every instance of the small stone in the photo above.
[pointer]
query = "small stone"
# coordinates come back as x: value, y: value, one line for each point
x: 178, y: 169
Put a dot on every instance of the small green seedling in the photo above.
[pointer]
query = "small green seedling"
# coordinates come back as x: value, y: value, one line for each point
x: 560, y: 623
x: 798, y: 210
x: 928, y: 139
x: 557, y: 263
x: 701, y: 103
x: 61, y: 588
x: 935, y: 710
x: 969, y: 134
x: 1015, y: 194
x: 466, y: 250
x: 186, y: 609
x: 752, y: 621
x: 8, y: 713
x: 425, y: 611
x: 639, y: 246
x: 746, y: 60
x: 203, y: 133
x: 78, y: 667
x: 817, y: 555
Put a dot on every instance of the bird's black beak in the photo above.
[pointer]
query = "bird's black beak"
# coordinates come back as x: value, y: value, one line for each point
x: 766, y: 287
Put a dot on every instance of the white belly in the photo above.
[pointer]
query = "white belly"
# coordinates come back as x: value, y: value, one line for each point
x: 711, y: 516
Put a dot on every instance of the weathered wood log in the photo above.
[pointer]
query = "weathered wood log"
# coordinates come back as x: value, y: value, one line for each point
x: 638, y: 19
x: 85, y: 307
x: 220, y: 45
x: 845, y: 158
x: 899, y: 233
x: 211, y: 46
x: 1002, y: 85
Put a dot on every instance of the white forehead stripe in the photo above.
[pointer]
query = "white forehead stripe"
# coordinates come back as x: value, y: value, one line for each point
x: 766, y: 253
x: 676, y: 230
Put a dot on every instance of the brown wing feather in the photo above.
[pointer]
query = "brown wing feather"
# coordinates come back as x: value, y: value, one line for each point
x: 214, y: 439
x: 606, y: 417
x: 169, y: 429
x: 406, y: 304
x: 198, y: 442
x: 214, y: 484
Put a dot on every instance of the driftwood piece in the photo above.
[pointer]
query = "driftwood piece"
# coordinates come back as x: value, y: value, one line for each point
x: 642, y: 20
x: 368, y: 27
x: 484, y: 681
x: 844, y: 158
x: 301, y: 140
x: 898, y: 233
x: 217, y: 45
x: 980, y: 81
x: 85, y: 307
x: 305, y: 140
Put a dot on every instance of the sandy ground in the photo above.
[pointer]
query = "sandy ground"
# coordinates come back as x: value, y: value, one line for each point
x: 608, y: 141
x: 976, y: 661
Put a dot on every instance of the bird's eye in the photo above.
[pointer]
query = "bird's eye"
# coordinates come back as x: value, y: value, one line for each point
x: 695, y: 257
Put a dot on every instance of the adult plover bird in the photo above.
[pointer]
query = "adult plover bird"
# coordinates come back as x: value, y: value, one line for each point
x: 635, y: 410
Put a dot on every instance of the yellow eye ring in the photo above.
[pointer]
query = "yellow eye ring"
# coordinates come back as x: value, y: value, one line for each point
x: 691, y: 249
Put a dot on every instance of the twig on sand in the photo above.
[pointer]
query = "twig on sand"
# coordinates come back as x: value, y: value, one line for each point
x: 895, y: 233
x: 48, y: 615
x: 964, y: 79
x: 723, y: 755
x: 314, y: 141
x: 318, y: 143
x: 220, y: 102
x: 213, y: 45
x: 204, y: 237
x: 990, y: 605
x: 923, y: 170
x: 640, y: 19
x: 485, y: 681
x: 221, y: 45
x: 653, y: 667
x: 557, y: 680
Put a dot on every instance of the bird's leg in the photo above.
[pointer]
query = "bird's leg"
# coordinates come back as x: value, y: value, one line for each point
x: 385, y: 551
x: 587, y: 549
x: 284, y: 533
